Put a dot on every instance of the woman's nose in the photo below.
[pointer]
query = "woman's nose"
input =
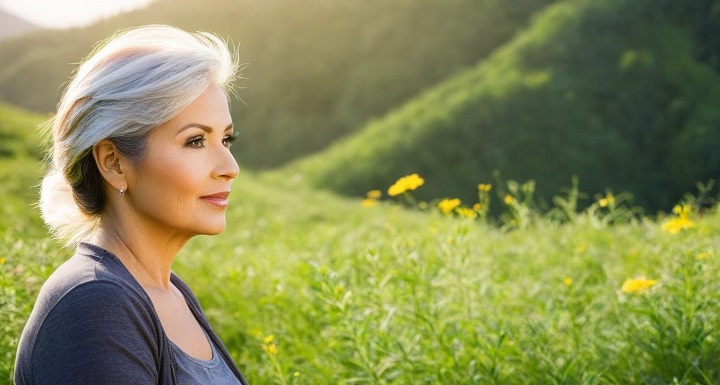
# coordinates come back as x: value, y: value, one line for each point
x: 227, y: 166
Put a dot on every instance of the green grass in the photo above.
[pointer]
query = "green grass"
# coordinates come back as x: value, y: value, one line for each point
x: 395, y: 295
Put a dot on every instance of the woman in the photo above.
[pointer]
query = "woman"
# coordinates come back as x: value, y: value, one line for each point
x: 140, y: 164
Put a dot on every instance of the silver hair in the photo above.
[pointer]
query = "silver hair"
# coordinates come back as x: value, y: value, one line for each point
x: 130, y: 84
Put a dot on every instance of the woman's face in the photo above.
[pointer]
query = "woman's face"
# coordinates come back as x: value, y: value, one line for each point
x: 182, y: 184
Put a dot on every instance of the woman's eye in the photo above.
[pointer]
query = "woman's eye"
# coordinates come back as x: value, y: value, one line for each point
x: 228, y: 140
x: 197, y: 141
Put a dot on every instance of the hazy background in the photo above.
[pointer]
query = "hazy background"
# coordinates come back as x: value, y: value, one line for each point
x: 67, y: 13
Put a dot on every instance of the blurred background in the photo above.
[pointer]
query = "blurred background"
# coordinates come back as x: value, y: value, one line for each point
x: 350, y: 95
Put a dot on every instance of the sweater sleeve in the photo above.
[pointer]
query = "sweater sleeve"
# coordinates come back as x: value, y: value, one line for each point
x: 98, y: 333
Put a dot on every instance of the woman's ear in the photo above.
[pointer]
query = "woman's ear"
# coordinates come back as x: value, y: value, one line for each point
x: 110, y: 164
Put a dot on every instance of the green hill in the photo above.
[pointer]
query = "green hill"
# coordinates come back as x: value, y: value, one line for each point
x: 623, y: 94
x: 317, y: 69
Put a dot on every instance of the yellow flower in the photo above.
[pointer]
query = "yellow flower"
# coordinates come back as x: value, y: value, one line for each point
x: 296, y: 374
x: 406, y: 183
x: 477, y: 207
x: 368, y: 202
x: 466, y: 212
x: 704, y: 255
x: 374, y: 194
x: 637, y: 285
x: 269, y: 346
x: 448, y: 205
x: 609, y: 200
x: 682, y: 211
x: 568, y: 281
x: 675, y: 225
x: 270, y: 349
x: 682, y: 222
x: 2, y: 260
x: 509, y: 199
x: 484, y: 187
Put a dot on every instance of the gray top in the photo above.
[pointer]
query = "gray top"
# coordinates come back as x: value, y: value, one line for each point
x: 194, y: 371
x: 94, y: 324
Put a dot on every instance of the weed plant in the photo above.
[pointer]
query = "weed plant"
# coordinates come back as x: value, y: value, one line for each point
x: 308, y: 288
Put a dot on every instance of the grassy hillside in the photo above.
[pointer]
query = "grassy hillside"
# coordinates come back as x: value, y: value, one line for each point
x: 622, y: 94
x: 309, y: 288
x: 317, y: 69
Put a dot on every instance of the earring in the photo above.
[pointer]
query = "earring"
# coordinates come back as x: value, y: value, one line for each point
x: 122, y: 191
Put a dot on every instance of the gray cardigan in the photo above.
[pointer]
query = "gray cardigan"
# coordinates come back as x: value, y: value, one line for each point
x: 94, y: 324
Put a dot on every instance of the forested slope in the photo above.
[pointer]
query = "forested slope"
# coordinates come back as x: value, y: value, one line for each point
x: 623, y: 94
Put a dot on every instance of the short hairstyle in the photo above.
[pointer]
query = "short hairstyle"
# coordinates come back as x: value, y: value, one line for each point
x: 130, y: 84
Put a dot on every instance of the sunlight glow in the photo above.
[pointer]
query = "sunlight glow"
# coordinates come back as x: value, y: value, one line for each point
x: 68, y: 13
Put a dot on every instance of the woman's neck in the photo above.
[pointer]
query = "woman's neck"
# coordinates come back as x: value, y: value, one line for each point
x: 146, y: 252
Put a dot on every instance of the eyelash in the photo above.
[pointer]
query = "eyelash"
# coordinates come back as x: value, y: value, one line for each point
x: 198, y: 141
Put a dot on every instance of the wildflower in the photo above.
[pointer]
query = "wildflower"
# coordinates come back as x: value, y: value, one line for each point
x: 676, y: 225
x: 367, y: 202
x: 270, y: 349
x: 509, y: 199
x: 477, y: 207
x: 466, y: 212
x: 296, y: 374
x: 269, y: 346
x: 567, y: 281
x: 406, y: 183
x: 682, y: 222
x: 448, y: 205
x: 484, y: 187
x: 682, y: 211
x: 609, y: 200
x: 374, y: 194
x: 637, y: 285
x: 2, y: 260
x: 704, y: 255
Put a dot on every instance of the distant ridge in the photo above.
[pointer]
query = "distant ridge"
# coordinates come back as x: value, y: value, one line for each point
x: 11, y: 25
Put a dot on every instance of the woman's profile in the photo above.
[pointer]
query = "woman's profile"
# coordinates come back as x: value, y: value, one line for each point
x: 140, y: 164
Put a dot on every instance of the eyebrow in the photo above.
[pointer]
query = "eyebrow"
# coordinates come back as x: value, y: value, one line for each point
x: 203, y: 127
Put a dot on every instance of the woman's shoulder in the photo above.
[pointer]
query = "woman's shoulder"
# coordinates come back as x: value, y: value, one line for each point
x: 91, y: 282
x: 95, y: 321
x: 90, y: 307
x: 89, y: 270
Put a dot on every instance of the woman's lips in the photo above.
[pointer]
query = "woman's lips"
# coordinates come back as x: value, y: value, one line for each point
x: 218, y: 199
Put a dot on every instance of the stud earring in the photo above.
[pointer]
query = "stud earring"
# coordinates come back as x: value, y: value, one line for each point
x: 122, y: 191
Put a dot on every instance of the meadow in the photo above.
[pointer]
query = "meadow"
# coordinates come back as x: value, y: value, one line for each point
x: 307, y: 287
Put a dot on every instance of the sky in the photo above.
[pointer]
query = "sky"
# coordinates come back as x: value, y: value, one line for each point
x: 68, y: 13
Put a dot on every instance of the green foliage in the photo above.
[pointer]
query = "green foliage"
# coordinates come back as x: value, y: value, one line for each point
x: 594, y: 89
x: 305, y: 287
x: 22, y: 235
x: 18, y: 136
x: 317, y: 69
